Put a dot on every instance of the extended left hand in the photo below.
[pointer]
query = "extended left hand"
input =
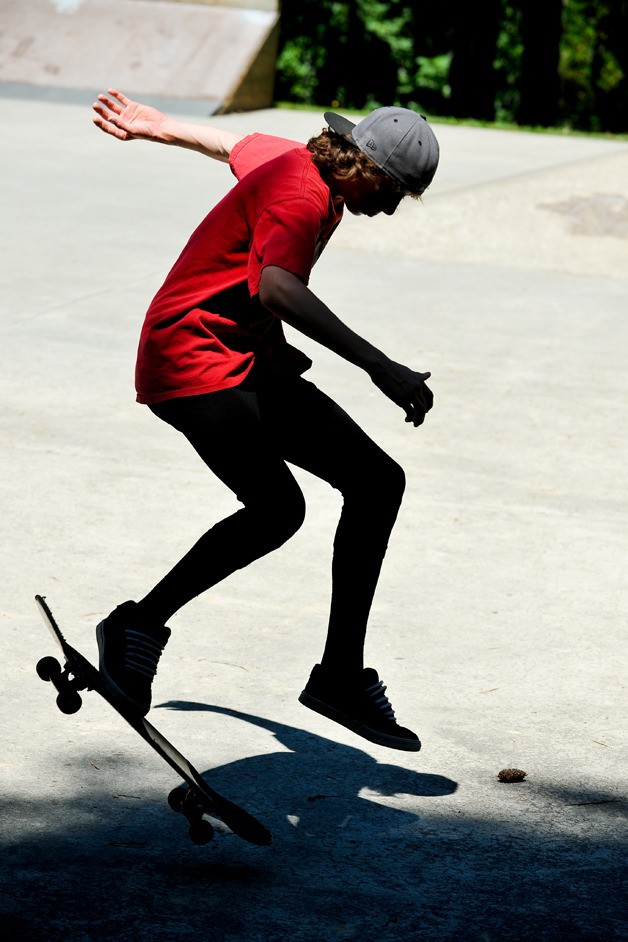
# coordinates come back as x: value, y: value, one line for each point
x: 125, y: 119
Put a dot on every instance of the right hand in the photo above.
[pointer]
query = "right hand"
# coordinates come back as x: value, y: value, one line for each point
x: 126, y: 119
x: 406, y: 388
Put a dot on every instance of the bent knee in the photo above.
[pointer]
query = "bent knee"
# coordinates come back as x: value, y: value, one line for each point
x: 389, y: 479
x: 290, y: 515
x: 396, y: 477
x: 282, y: 516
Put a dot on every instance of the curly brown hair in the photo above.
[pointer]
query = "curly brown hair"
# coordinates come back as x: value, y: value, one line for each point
x: 336, y: 156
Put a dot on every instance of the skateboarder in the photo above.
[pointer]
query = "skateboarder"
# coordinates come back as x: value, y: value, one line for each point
x: 214, y: 363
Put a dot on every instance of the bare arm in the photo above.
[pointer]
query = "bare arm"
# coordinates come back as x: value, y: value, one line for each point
x: 129, y: 120
x: 287, y: 297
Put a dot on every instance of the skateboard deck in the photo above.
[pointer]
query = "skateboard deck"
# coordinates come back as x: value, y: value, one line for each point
x: 195, y: 797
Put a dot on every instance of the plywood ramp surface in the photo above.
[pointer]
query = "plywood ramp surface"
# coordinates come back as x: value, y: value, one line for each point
x: 187, y: 50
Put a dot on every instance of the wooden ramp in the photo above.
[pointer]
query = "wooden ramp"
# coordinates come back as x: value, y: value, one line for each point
x: 219, y: 55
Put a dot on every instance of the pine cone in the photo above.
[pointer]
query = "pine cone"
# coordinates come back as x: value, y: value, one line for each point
x: 511, y: 775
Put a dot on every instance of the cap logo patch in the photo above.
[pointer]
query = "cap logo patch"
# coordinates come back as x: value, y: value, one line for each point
x: 371, y: 144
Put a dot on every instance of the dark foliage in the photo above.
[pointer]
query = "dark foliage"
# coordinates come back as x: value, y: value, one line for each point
x: 533, y: 62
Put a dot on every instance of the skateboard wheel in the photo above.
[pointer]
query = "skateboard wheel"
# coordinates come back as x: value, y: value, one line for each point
x: 48, y: 668
x: 201, y: 831
x: 177, y: 797
x: 69, y: 702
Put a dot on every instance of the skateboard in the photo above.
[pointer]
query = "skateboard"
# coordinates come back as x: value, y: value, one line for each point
x: 193, y: 799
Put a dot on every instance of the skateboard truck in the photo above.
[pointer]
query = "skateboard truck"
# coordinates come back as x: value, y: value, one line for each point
x: 67, y: 685
x: 183, y: 800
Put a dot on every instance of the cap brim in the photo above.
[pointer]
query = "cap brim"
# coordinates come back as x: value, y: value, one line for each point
x: 338, y: 124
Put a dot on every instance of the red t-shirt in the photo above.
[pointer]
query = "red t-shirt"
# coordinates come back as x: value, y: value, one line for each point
x: 206, y: 327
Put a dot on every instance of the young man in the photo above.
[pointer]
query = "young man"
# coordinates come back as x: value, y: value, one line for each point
x: 214, y: 363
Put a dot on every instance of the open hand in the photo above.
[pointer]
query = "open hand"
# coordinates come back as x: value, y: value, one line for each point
x: 125, y: 119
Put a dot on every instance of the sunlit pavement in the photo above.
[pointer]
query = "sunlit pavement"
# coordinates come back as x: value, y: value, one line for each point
x: 498, y: 625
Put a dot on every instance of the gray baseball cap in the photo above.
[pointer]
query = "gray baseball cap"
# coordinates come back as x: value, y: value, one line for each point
x: 398, y: 140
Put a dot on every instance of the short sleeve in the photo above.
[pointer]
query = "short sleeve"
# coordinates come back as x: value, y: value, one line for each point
x: 286, y: 235
x: 257, y: 149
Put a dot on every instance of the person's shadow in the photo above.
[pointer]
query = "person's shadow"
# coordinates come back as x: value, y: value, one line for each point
x: 317, y: 785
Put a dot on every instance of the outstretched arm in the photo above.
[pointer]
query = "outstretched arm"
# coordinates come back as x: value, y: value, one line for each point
x: 132, y: 121
x: 292, y: 301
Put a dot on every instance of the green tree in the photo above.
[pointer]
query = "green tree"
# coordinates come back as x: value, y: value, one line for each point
x: 472, y: 74
x: 537, y: 62
x: 594, y: 65
x: 539, y: 85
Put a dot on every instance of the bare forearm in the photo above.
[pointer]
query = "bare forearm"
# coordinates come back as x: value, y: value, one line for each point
x: 206, y: 139
x: 129, y: 120
x: 294, y: 303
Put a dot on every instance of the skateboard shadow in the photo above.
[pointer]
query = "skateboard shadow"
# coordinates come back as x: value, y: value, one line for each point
x: 318, y: 784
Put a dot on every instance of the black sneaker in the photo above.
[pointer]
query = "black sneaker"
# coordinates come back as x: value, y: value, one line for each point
x: 362, y: 707
x: 129, y: 656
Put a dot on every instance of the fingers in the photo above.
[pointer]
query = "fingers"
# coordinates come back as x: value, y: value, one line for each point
x: 416, y: 416
x: 407, y: 389
x: 104, y: 108
x: 109, y: 113
x: 104, y: 115
x: 105, y: 122
x: 120, y: 97
x: 420, y: 404
x: 107, y: 125
x: 107, y: 106
x: 117, y: 102
x: 415, y: 411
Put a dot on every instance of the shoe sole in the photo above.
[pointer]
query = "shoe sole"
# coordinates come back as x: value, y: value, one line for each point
x: 120, y: 699
x: 380, y: 739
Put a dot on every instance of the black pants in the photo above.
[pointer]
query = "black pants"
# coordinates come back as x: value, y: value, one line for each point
x: 248, y: 438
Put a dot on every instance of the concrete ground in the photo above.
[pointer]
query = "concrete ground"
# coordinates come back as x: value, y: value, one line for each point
x: 499, y: 625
